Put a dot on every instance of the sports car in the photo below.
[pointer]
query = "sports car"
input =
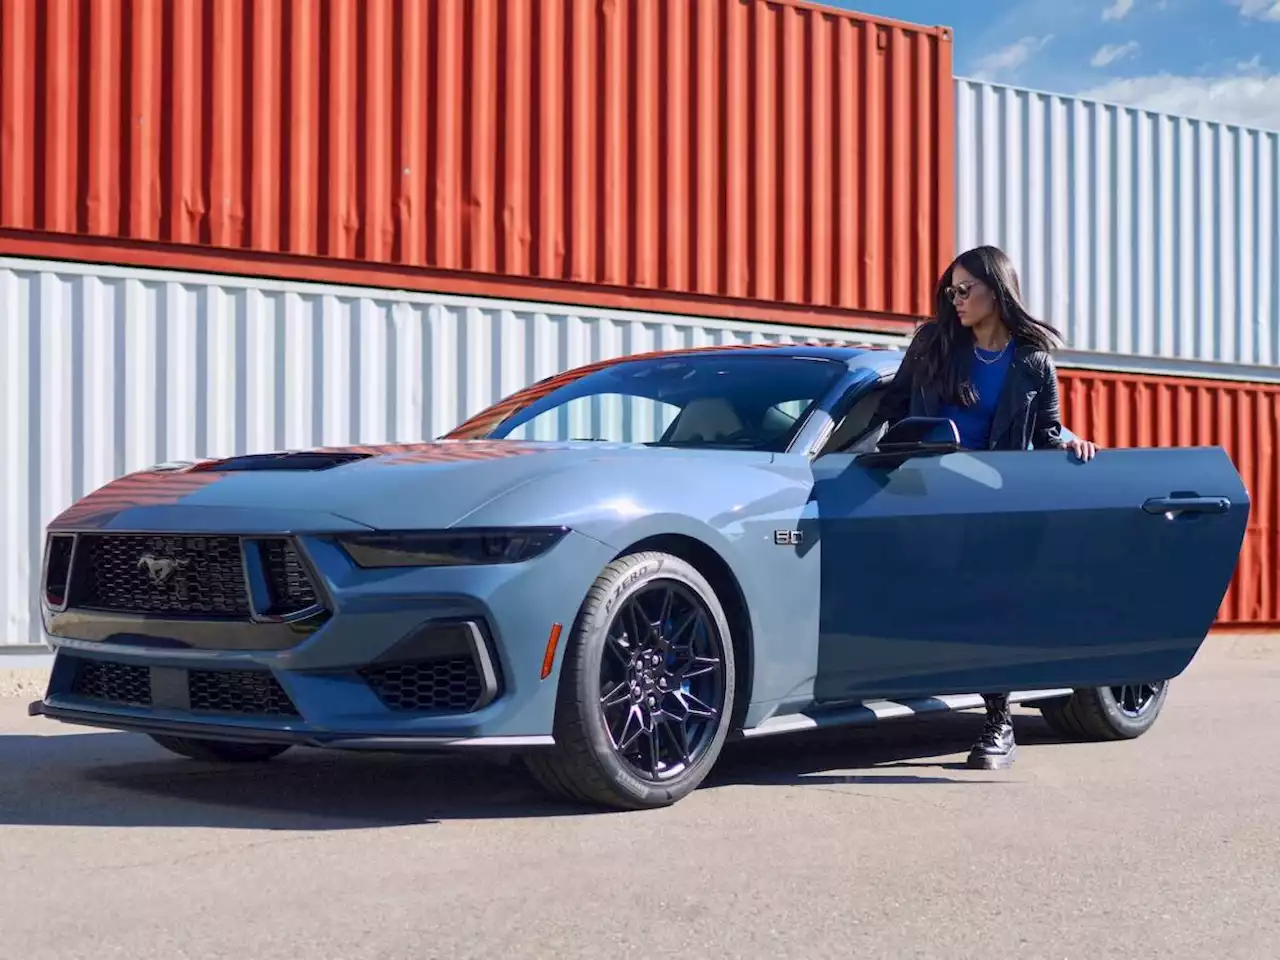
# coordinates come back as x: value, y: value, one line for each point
x: 610, y: 573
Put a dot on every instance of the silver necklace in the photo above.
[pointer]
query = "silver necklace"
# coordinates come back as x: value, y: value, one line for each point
x: 996, y: 357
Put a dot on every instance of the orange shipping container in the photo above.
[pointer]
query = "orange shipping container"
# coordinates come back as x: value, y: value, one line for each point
x: 725, y: 156
x: 1128, y: 410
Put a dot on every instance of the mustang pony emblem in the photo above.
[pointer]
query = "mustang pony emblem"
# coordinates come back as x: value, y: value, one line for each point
x: 160, y: 569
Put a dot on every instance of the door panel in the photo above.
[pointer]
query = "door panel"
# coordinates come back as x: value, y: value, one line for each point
x: 989, y: 571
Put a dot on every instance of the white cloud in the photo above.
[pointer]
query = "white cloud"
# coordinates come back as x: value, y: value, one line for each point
x: 1250, y: 98
x: 1119, y: 10
x: 1008, y: 59
x: 1112, y: 52
x: 1259, y: 9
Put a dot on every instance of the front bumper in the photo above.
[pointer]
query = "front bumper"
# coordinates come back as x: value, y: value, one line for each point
x: 407, y: 658
x: 298, y: 735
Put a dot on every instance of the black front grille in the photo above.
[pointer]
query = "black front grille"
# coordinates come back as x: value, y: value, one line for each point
x: 435, y: 686
x: 247, y: 692
x: 288, y: 584
x: 187, y: 576
x: 172, y: 575
x: 112, y: 682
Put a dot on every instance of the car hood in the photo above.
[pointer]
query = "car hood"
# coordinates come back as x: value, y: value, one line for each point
x: 410, y: 486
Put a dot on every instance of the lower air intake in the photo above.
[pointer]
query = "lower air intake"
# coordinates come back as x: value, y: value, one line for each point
x: 436, y: 686
x: 109, y: 682
x: 243, y: 692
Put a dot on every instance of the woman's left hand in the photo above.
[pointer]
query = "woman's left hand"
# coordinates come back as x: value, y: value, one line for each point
x: 1083, y: 449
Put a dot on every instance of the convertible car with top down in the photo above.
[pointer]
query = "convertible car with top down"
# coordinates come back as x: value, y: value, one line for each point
x: 610, y: 573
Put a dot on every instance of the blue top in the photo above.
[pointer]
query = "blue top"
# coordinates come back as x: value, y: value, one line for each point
x: 974, y: 423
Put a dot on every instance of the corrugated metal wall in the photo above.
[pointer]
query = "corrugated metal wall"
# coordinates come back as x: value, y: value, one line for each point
x: 1244, y: 418
x: 759, y: 149
x: 1134, y: 232
x: 104, y: 371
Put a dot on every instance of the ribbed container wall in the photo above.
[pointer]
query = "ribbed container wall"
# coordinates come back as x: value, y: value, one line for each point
x: 741, y: 151
x: 1140, y: 235
x: 104, y: 371
x: 1130, y: 410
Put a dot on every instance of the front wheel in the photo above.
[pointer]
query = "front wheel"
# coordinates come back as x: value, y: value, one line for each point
x: 646, y: 690
x: 1107, y: 713
x: 221, y: 751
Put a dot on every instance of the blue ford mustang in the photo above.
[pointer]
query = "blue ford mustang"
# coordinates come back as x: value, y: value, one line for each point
x: 612, y: 571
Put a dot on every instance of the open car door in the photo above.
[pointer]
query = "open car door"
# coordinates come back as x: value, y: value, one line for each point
x: 948, y: 571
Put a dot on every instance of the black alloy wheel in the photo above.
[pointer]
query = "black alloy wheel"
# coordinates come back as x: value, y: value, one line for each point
x: 1107, y: 713
x: 662, y: 680
x: 1134, y: 700
x: 646, y: 688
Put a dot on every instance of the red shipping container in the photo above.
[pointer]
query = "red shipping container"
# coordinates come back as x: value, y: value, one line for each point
x: 1129, y: 410
x: 740, y: 157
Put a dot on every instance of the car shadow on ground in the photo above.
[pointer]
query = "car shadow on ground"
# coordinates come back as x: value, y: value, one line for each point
x: 122, y: 780
x: 920, y: 751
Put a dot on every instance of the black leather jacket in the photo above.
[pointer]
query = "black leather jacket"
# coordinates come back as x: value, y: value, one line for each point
x: 1028, y: 412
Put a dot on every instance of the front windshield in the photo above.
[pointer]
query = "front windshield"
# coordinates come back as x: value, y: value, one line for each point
x: 737, y: 401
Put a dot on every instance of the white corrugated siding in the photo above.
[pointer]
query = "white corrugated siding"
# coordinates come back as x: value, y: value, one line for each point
x: 1137, y: 234
x: 105, y: 371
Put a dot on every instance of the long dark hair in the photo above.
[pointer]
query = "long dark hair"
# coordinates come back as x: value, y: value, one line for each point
x: 944, y: 346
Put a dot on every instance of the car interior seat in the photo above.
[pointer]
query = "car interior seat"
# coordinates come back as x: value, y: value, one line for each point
x: 707, y: 420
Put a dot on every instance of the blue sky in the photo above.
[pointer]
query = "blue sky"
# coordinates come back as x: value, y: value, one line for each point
x: 1217, y: 59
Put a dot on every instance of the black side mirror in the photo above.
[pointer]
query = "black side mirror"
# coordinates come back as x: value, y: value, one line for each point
x: 918, y: 432
x: 913, y: 437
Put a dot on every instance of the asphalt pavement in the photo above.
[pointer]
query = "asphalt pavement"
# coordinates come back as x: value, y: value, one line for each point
x: 867, y: 843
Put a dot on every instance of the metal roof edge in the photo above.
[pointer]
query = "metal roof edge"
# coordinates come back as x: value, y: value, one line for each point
x: 1168, y: 367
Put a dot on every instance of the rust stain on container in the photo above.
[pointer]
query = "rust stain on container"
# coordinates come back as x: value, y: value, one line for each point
x: 1128, y: 410
x: 737, y: 149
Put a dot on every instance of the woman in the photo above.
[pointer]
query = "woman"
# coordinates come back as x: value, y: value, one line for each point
x: 984, y: 362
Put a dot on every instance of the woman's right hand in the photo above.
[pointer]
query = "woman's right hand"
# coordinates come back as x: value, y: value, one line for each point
x: 1085, y: 450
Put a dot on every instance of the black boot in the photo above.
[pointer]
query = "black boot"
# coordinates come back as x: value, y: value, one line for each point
x: 995, y: 749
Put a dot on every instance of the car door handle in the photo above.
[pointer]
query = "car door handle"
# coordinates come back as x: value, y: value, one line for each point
x: 1177, y: 505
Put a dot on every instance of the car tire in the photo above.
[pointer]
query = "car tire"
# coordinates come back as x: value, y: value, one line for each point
x: 1107, y: 713
x: 586, y: 764
x: 220, y: 751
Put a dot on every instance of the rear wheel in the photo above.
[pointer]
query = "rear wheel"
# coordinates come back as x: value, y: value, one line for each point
x: 646, y: 690
x: 1107, y: 713
x: 221, y: 751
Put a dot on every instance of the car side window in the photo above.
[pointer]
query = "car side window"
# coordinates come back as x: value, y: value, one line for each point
x: 852, y: 430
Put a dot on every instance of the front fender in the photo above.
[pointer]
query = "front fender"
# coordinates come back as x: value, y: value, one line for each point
x: 734, y: 503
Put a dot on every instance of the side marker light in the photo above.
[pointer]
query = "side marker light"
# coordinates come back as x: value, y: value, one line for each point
x: 549, y: 659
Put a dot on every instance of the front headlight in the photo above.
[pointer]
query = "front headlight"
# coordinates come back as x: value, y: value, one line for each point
x: 450, y: 548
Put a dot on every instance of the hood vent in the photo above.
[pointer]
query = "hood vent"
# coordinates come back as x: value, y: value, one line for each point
x: 305, y: 460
